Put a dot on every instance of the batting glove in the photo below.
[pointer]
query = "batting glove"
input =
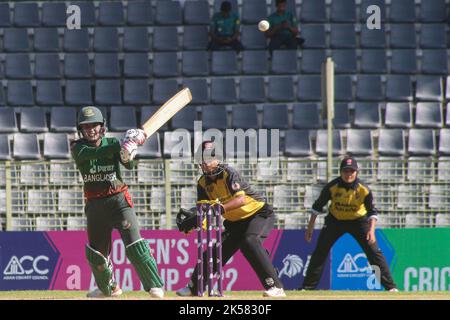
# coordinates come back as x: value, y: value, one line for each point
x: 136, y: 135
x: 128, y: 150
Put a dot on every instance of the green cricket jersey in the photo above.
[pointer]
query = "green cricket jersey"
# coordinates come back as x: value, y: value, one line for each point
x: 225, y: 27
x: 276, y: 19
x: 100, y: 167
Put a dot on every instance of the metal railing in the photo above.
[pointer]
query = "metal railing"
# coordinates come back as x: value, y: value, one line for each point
x: 49, y: 195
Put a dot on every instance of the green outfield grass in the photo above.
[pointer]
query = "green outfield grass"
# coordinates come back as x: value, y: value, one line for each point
x: 237, y: 295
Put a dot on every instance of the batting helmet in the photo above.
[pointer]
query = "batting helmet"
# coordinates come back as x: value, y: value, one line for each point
x: 90, y: 115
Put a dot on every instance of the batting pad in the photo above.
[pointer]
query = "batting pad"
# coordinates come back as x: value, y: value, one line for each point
x: 139, y: 254
x: 102, y: 270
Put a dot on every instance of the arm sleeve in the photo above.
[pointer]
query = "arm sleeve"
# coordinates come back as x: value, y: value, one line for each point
x: 371, y: 210
x: 81, y: 153
x: 324, y: 197
x: 201, y: 194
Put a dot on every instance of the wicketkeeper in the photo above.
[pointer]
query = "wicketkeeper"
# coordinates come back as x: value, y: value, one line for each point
x: 248, y: 220
x: 109, y: 205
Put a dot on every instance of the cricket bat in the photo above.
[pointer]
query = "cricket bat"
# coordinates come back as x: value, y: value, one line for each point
x: 167, y: 111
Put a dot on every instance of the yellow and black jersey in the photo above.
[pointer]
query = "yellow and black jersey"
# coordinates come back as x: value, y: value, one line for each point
x: 228, y: 185
x: 348, y: 201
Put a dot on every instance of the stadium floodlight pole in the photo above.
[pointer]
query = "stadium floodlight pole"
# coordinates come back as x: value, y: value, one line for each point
x: 328, y: 74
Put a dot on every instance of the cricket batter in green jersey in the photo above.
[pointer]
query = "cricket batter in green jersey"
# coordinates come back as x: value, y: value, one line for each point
x: 109, y: 205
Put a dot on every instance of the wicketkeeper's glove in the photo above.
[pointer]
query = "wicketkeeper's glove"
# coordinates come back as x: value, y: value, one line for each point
x: 187, y: 220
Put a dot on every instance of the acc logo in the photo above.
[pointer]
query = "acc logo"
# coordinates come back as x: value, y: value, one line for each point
x: 293, y: 266
x: 349, y: 264
x: 26, y: 266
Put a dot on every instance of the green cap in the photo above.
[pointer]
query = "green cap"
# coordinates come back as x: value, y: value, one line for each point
x: 90, y: 115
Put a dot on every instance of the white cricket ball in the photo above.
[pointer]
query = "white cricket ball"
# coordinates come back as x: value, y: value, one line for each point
x: 263, y: 25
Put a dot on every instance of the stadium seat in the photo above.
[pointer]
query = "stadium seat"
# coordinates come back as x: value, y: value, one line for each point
x: 135, y: 39
x: 403, y: 36
x: 110, y: 13
x: 54, y: 14
x: 188, y: 198
x: 195, y: 37
x: 77, y: 66
x: 165, y: 38
x: 76, y: 40
x: 313, y: 11
x: 369, y: 88
x: 223, y: 91
x: 314, y: 35
x: 139, y: 13
x: 398, y: 115
x: 224, y: 63
x: 443, y: 219
x: 21, y: 224
x: 195, y: 63
x: 344, y: 61
x: 122, y: 118
x: 403, y: 61
x: 2, y: 96
x: 136, y: 92
x: 420, y: 169
x: 165, y: 64
x: 312, y: 61
x: 306, y: 116
x: 5, y: 19
x: 147, y: 112
x: 443, y: 172
x: 421, y: 142
x: 281, y: 89
x: 428, y: 115
x: 49, y: 93
x: 71, y: 201
x: 196, y: 12
x: 15, y: 40
x: 47, y: 66
x: 252, y: 38
x: 63, y: 119
x: 447, y: 119
x: 26, y: 147
x: 428, y: 88
x: 433, y: 11
x: 359, y: 142
x: 17, y: 66
x: 56, y: 146
x: 136, y: 65
x: 253, y: 11
x: 107, y: 92
x: 151, y: 148
x: 46, y: 40
x: 106, y: 39
x: 439, y: 197
x: 343, y: 36
x: 391, y: 142
x: 402, y: 11
x: 184, y: 119
x: 365, y: 4
x: 444, y: 142
x: 20, y: 93
x: 33, y: 120
x: 343, y: 88
x: 275, y: 116
x: 26, y: 14
x: 168, y: 13
x: 182, y: 140
x: 367, y: 115
x: 309, y: 88
x: 285, y: 197
x: 40, y: 202
x: 214, y: 117
x: 433, y: 36
x: 199, y: 90
x: 343, y: 11
x: 64, y: 173
x: 252, y: 90
x: 435, y: 62
x: 88, y: 10
x: 244, y: 117
x: 372, y: 38
x: 389, y: 168
x: 374, y: 61
x: 78, y: 92
x: 8, y: 121
x: 398, y: 88
x: 106, y: 65
x: 163, y: 90
x: 284, y: 62
x: 322, y: 142
x: 158, y: 196
x: 254, y: 62
x: 341, y: 118
x: 297, y: 143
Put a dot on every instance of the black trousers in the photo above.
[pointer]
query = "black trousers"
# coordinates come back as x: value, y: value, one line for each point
x: 235, y: 45
x: 248, y: 236
x: 288, y: 41
x: 332, y: 230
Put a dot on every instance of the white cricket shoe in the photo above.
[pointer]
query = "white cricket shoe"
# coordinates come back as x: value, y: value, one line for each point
x: 98, y: 294
x: 393, y: 290
x: 156, y: 293
x: 274, y: 292
x: 184, y: 292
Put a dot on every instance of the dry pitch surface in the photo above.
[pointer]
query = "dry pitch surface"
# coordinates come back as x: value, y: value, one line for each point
x: 236, y: 295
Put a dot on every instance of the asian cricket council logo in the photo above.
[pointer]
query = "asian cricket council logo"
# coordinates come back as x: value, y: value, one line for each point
x: 26, y: 268
x: 358, y: 267
x: 292, y: 266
